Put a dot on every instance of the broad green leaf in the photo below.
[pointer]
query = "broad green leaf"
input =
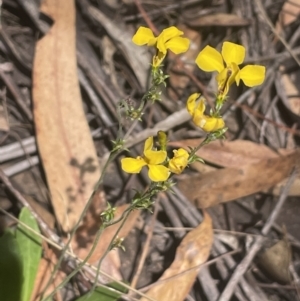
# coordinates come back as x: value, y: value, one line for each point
x: 112, y: 292
x: 31, y: 251
x: 10, y: 268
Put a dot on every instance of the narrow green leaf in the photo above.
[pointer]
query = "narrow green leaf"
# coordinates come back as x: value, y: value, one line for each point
x: 112, y: 292
x: 10, y: 268
x: 31, y: 251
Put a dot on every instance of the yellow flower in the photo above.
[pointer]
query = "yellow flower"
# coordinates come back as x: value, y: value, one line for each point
x: 207, y: 123
x: 179, y: 162
x: 170, y: 38
x: 209, y: 59
x: 152, y: 159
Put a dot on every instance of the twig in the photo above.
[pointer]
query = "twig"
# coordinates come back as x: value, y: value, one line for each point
x: 227, y: 265
x: 44, y: 227
x: 209, y: 287
x: 161, y: 10
x: 268, y: 21
x: 243, y: 266
x: 207, y: 263
x: 258, y: 115
x: 13, y: 88
x: 293, y: 240
x: 146, y: 247
x: 145, y: 16
x: 47, y: 231
x: 87, y: 268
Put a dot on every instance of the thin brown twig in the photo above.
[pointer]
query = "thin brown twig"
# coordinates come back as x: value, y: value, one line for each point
x: 58, y: 244
x: 256, y: 246
x: 13, y: 88
x: 212, y: 261
x: 264, y: 16
x: 258, y: 115
x: 44, y: 227
x: 146, y: 248
x: 146, y: 17
x: 88, y: 268
x: 178, y: 63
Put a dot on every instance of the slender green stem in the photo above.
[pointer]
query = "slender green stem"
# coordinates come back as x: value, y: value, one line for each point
x: 112, y: 156
x: 109, y: 248
x: 85, y: 209
x: 124, y: 217
x: 204, y: 142
x: 80, y: 265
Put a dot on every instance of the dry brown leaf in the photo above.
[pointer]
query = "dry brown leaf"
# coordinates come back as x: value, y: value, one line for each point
x: 48, y: 217
x: 63, y: 136
x: 106, y: 237
x: 236, y: 154
x: 229, y: 153
x: 202, y: 167
x: 290, y: 12
x: 219, y: 19
x: 46, y: 266
x: 294, y: 189
x: 235, y: 182
x: 180, y: 276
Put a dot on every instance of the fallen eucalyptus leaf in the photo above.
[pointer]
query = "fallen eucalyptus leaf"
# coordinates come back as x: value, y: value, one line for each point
x: 177, y: 280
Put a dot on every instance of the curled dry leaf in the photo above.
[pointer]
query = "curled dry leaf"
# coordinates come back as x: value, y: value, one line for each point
x: 291, y: 99
x: 230, y: 183
x: 236, y: 154
x: 289, y: 12
x: 178, y: 279
x: 63, y: 136
x: 229, y: 153
x: 46, y: 267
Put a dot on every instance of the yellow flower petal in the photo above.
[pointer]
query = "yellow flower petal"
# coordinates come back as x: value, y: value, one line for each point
x: 252, y: 75
x: 148, y: 144
x: 178, y: 45
x: 209, y: 59
x: 170, y: 32
x: 191, y: 103
x: 200, y: 108
x: 166, y: 35
x: 144, y: 36
x: 233, y: 53
x: 131, y: 165
x: 179, y: 162
x: 181, y: 152
x: 155, y: 157
x: 158, y: 173
x: 213, y: 124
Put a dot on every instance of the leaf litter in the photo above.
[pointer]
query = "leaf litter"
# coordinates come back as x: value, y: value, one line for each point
x: 64, y: 118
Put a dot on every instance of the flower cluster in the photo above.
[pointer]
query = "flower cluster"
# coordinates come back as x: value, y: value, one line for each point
x: 226, y: 63
x: 209, y: 60
x: 170, y: 38
x: 159, y: 165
